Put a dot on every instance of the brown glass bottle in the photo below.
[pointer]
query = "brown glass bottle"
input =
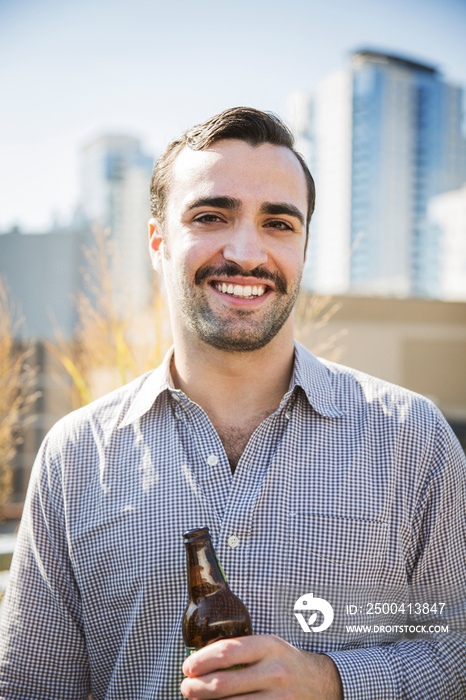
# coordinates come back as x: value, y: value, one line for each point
x: 213, y: 611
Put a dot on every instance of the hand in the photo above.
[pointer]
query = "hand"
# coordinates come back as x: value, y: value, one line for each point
x: 273, y: 669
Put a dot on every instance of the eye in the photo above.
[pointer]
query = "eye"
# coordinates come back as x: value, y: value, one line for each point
x: 280, y: 225
x: 208, y: 218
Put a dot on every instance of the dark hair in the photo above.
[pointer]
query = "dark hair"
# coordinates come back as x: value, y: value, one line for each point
x: 243, y: 123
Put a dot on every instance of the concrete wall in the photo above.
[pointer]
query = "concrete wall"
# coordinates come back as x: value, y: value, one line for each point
x: 43, y: 272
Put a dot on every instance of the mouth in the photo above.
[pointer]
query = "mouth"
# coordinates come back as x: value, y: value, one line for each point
x: 241, y: 291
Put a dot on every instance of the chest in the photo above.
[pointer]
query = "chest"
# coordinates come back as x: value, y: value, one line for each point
x: 236, y: 435
x: 234, y: 441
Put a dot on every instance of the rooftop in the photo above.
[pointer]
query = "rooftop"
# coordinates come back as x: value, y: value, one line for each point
x: 377, y: 57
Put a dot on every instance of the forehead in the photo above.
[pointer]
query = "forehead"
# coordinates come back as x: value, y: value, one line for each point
x: 237, y: 169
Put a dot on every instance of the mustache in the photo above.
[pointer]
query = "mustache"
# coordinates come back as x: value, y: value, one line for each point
x: 232, y: 270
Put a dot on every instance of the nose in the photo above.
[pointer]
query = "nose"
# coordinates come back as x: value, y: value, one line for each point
x: 245, y: 247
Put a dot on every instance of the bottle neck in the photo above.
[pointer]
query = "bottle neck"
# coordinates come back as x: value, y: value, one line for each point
x: 205, y: 576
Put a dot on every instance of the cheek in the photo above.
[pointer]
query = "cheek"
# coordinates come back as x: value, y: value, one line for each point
x: 181, y: 268
x: 201, y: 253
x: 289, y: 260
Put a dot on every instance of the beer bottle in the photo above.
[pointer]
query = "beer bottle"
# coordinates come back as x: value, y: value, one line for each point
x: 213, y: 611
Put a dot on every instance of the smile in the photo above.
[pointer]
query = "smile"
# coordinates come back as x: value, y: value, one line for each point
x: 241, y: 291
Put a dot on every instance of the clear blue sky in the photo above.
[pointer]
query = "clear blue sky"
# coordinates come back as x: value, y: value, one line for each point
x: 71, y: 70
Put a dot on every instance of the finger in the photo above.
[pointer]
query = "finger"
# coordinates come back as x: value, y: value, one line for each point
x: 223, y: 684
x: 224, y: 654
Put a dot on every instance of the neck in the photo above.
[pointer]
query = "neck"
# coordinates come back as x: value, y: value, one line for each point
x: 232, y: 384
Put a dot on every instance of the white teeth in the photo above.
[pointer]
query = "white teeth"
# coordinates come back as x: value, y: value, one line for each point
x: 238, y: 290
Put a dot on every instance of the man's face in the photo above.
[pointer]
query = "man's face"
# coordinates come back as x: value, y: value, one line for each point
x: 234, y: 242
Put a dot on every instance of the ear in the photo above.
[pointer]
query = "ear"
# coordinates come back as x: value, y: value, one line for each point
x: 155, y: 244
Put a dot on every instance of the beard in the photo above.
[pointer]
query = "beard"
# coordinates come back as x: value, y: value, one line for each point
x: 238, y: 330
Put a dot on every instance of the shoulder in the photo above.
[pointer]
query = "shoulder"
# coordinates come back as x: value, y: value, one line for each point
x: 361, y: 396
x: 359, y: 389
x: 107, y: 414
x: 413, y: 421
x: 388, y: 414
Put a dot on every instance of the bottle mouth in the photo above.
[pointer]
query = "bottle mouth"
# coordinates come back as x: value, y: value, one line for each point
x: 197, y: 533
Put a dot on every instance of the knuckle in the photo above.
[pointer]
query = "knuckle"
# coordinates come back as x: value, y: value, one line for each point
x: 217, y: 686
x: 280, y: 674
x: 227, y: 647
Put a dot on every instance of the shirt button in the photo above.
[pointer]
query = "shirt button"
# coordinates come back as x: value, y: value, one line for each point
x: 288, y: 415
x: 175, y: 396
x: 177, y: 415
x: 233, y: 541
x: 212, y: 460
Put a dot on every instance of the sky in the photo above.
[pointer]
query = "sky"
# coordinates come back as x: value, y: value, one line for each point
x: 70, y: 71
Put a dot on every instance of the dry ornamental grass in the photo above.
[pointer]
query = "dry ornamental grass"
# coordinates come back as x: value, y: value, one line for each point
x: 17, y: 395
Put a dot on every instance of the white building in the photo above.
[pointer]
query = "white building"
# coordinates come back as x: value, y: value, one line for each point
x: 447, y: 212
x: 114, y: 183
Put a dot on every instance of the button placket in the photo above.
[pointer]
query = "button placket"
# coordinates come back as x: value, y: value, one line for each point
x: 237, y: 524
x: 206, y: 454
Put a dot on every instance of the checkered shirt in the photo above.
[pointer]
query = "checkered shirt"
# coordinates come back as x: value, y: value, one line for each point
x: 351, y: 482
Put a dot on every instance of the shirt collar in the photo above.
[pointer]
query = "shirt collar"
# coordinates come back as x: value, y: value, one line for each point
x: 153, y: 384
x: 315, y: 378
x: 309, y: 373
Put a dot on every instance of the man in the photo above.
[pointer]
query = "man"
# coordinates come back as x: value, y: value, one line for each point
x: 308, y: 474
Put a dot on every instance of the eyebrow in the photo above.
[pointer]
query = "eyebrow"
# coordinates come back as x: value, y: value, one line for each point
x: 271, y: 208
x: 278, y: 208
x: 218, y: 202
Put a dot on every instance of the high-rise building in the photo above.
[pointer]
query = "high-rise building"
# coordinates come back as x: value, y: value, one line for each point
x: 115, y: 177
x: 386, y: 138
x: 299, y: 119
x: 447, y: 216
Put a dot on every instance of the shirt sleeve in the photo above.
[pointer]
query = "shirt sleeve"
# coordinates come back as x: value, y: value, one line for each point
x: 431, y: 665
x: 42, y: 648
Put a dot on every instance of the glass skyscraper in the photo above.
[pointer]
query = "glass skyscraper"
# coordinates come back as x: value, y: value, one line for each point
x: 386, y: 138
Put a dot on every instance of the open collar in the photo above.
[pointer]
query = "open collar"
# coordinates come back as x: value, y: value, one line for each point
x: 314, y: 377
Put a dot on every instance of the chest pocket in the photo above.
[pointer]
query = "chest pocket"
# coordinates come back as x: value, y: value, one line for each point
x: 336, y: 551
x: 328, y: 558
